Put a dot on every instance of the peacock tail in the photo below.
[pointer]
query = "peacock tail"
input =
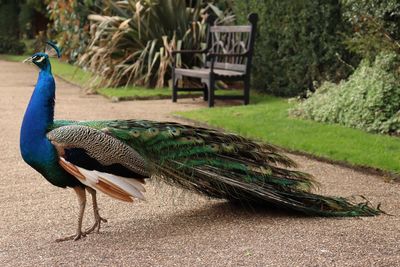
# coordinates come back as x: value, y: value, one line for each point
x: 209, y: 162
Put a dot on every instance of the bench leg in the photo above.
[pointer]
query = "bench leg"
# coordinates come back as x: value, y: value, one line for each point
x: 211, y: 93
x: 174, y: 95
x: 246, y: 91
x: 174, y: 85
x: 174, y: 89
x: 205, y: 92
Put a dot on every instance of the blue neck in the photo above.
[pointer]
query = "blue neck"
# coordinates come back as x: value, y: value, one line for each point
x: 46, y: 68
x: 38, y: 116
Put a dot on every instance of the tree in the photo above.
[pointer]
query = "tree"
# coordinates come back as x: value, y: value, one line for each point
x: 375, y: 26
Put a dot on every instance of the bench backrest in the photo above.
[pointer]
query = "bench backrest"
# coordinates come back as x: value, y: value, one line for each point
x: 233, y: 40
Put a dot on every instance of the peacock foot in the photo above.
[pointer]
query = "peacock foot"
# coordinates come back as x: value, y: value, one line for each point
x: 74, y: 237
x: 96, y: 226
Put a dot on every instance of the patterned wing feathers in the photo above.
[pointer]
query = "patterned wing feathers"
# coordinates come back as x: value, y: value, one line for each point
x: 103, y: 147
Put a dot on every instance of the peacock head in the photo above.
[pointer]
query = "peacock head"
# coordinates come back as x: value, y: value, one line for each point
x: 41, y: 59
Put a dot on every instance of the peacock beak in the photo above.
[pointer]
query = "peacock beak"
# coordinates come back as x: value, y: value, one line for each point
x: 27, y: 60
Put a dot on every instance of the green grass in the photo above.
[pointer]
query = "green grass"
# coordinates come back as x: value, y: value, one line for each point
x: 64, y: 70
x: 138, y: 93
x: 269, y: 121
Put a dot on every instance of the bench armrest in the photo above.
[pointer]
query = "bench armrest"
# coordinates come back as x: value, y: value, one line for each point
x: 174, y: 52
x: 227, y: 55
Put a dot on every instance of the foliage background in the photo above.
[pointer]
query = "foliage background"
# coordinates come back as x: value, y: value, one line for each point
x: 8, y: 23
x: 9, y: 30
x: 131, y: 42
x: 370, y: 98
x: 70, y: 24
x: 299, y: 44
x: 375, y: 26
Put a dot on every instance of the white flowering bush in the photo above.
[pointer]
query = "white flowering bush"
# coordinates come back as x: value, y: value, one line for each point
x: 369, y: 99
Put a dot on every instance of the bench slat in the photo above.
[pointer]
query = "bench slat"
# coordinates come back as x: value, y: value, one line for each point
x: 205, y: 73
x: 228, y: 66
x: 244, y: 28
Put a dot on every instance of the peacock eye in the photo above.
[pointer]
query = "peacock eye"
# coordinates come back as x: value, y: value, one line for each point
x: 39, y: 59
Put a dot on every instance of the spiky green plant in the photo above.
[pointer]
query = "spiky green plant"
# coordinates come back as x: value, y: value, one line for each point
x: 133, y: 44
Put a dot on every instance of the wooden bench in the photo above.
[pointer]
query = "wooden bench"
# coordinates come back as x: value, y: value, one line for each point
x: 228, y: 57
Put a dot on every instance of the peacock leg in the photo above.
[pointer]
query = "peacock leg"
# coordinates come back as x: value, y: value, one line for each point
x: 98, y: 219
x: 81, y: 193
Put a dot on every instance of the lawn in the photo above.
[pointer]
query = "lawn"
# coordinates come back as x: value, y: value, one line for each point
x: 64, y: 70
x: 140, y: 93
x: 268, y: 120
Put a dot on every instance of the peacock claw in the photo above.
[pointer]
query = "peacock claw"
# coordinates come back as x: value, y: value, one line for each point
x: 74, y: 237
x: 96, y: 226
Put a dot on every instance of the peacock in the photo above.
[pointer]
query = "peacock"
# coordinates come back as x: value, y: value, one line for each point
x: 116, y: 157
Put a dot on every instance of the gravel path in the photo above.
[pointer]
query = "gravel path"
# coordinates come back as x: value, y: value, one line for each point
x: 173, y: 227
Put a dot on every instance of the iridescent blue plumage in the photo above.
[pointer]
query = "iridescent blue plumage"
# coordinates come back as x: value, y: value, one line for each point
x: 35, y: 148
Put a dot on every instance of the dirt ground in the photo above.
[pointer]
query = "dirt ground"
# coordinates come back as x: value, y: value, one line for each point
x: 173, y: 227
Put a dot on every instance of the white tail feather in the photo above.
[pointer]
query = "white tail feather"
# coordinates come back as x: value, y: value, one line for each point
x: 121, y: 183
x: 91, y: 178
x: 130, y: 187
x: 139, y: 186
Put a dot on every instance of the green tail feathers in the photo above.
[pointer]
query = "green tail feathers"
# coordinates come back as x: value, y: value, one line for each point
x: 281, y: 192
x: 226, y: 166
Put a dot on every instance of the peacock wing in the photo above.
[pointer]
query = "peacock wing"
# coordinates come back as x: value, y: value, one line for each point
x: 100, y: 160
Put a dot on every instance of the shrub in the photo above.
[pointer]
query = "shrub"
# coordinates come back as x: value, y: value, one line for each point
x: 11, y: 45
x: 368, y: 100
x: 298, y: 43
x: 8, y: 13
x: 70, y: 25
x: 32, y: 18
